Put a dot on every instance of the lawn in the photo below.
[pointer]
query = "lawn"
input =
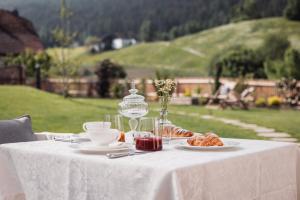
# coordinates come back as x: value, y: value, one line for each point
x: 281, y: 120
x: 52, y: 112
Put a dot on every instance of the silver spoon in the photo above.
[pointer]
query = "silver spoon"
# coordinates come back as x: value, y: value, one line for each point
x: 130, y: 153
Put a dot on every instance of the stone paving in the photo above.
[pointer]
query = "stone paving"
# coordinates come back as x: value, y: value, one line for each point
x: 261, y: 131
x: 274, y: 135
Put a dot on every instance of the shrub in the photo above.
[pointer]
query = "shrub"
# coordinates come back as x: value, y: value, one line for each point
x: 107, y: 71
x: 203, y: 100
x: 274, y: 101
x: 240, y: 86
x: 187, y: 92
x: 292, y: 10
x: 118, y: 90
x: 260, y: 102
x: 197, y: 90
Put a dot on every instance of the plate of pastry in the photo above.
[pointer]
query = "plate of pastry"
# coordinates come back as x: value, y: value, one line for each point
x: 177, y: 133
x: 208, y: 141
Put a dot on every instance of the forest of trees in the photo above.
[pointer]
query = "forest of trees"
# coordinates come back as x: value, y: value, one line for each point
x: 142, y: 19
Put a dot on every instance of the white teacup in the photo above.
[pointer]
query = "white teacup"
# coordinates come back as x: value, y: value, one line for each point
x: 95, y: 125
x: 101, y: 135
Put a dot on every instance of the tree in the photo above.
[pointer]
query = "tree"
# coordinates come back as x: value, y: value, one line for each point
x: 245, y: 10
x: 292, y: 62
x: 288, y: 66
x: 124, y: 18
x: 35, y: 64
x: 274, y: 46
x: 274, y: 50
x: 191, y: 27
x: 147, y: 31
x: 65, y: 66
x: 239, y: 63
x: 91, y: 40
x: 292, y: 10
x: 107, y: 72
x: 275, y: 68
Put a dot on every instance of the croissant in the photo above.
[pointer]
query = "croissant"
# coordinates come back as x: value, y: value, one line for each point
x: 210, y: 139
x: 174, y: 131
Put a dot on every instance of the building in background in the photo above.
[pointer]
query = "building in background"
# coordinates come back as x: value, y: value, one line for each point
x: 119, y: 43
x: 16, y: 35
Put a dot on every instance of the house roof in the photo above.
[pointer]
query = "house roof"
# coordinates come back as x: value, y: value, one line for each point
x: 17, y: 34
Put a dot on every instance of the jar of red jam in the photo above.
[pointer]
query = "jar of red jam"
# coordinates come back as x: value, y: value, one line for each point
x: 149, y: 137
x: 148, y: 143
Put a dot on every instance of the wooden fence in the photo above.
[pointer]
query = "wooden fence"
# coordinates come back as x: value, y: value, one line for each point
x: 12, y: 75
x: 86, y: 87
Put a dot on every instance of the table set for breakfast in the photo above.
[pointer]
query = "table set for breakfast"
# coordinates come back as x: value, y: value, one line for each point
x: 54, y: 170
x: 155, y: 160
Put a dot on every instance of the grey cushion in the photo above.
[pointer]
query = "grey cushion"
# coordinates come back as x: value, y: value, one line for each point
x: 16, y: 130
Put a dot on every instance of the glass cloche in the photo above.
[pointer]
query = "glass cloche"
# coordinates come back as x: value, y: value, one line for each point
x: 133, y: 106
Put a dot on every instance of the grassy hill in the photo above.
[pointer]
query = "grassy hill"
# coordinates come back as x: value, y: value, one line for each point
x: 191, y: 55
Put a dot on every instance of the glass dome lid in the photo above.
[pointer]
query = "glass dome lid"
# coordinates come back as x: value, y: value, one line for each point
x: 133, y: 97
x: 133, y: 105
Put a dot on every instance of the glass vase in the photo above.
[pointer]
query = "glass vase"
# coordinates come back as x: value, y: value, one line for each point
x: 163, y: 117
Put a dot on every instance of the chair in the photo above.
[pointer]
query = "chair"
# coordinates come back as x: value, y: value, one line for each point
x: 222, y: 93
x: 16, y: 130
x: 235, y: 99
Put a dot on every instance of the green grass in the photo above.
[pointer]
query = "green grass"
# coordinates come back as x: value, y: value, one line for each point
x: 53, y: 113
x: 49, y: 112
x: 176, y: 55
x: 281, y: 120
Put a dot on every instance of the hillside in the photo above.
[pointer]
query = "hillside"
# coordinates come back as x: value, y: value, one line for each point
x: 191, y: 55
x: 98, y: 17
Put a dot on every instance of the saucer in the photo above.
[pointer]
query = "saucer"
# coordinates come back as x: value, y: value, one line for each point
x: 90, y: 148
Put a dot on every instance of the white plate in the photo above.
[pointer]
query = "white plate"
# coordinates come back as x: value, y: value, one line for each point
x: 228, y: 144
x: 90, y: 148
x: 177, y: 138
x: 182, y: 138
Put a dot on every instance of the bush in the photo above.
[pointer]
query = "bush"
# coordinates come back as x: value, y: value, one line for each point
x: 274, y: 101
x: 260, y: 102
x: 107, y: 71
x: 292, y: 10
x: 240, y: 86
x: 187, y: 92
x: 203, y: 100
x: 197, y: 90
x: 118, y: 90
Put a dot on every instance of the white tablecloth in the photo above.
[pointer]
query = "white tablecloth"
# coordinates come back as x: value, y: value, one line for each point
x: 259, y: 170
